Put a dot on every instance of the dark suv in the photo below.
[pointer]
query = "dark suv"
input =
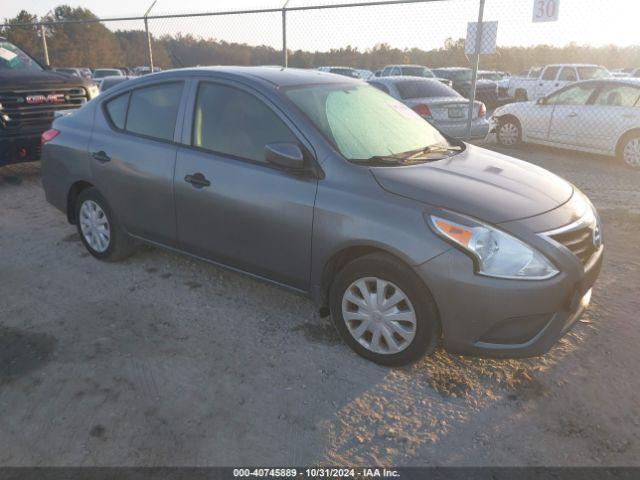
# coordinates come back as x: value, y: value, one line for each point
x: 30, y: 98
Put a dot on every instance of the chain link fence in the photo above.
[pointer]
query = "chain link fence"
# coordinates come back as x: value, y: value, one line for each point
x: 530, y: 55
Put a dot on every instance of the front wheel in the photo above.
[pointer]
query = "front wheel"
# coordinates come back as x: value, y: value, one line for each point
x: 630, y: 150
x: 383, y: 311
x: 509, y: 132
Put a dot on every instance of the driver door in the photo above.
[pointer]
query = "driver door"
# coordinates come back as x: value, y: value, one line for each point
x: 569, y: 113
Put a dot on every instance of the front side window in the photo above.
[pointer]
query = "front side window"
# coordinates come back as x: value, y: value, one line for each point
x: 575, y: 95
x: 153, y: 110
x: 550, y: 73
x: 233, y: 122
x: 362, y: 122
x: 618, y: 96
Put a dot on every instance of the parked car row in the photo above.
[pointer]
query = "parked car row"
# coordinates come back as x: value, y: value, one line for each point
x: 407, y: 238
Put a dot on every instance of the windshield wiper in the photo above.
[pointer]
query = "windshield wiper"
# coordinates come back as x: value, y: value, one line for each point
x: 412, y: 156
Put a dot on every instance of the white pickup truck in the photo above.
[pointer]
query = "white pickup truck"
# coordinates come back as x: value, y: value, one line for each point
x: 541, y: 81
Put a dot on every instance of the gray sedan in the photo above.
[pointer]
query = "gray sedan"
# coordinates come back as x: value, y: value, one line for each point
x: 324, y: 185
x: 437, y: 103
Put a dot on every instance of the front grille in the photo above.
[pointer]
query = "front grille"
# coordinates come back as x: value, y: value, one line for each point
x: 17, y: 114
x: 579, y: 241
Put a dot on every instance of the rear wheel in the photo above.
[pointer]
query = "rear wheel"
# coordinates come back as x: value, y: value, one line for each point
x: 383, y: 311
x: 98, y: 228
x: 509, y: 132
x: 629, y: 151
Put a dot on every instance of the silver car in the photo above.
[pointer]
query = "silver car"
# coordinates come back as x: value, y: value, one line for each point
x: 439, y: 104
x: 326, y: 186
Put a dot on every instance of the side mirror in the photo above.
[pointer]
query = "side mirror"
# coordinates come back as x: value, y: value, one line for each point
x: 285, y: 155
x: 542, y: 101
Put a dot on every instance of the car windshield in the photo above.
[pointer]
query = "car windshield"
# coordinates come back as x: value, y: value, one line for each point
x: 424, y: 88
x: 590, y: 73
x: 491, y: 76
x: 362, y: 122
x: 418, y: 72
x: 12, y: 58
x: 462, y: 75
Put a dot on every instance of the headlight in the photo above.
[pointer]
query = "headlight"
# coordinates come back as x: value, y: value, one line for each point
x: 93, y: 91
x: 497, y: 253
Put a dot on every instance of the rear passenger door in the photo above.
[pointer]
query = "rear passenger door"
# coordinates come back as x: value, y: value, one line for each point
x: 133, y: 152
x: 232, y: 206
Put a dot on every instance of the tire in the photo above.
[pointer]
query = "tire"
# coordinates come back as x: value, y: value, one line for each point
x: 371, y: 271
x: 98, y: 228
x: 509, y: 132
x: 629, y: 150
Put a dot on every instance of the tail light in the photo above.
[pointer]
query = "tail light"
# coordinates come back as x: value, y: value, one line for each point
x: 49, y: 135
x: 422, y: 110
x: 483, y: 110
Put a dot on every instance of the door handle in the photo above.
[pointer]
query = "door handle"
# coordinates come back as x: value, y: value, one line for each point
x: 198, y: 180
x: 573, y: 114
x: 101, y: 156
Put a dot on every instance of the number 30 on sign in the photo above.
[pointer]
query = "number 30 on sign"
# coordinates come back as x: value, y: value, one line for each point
x: 545, y: 10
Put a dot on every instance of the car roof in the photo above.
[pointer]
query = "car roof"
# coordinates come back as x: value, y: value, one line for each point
x: 406, y: 65
x: 451, y: 69
x: 620, y: 80
x: 279, y: 77
x: 573, y: 65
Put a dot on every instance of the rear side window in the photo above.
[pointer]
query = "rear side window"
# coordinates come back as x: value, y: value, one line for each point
x: 117, y: 110
x: 550, y: 73
x: 422, y: 89
x: 153, y: 110
x: 613, y: 95
x: 233, y: 122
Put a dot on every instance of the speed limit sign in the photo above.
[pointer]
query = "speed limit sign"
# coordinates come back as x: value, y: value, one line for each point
x: 545, y: 10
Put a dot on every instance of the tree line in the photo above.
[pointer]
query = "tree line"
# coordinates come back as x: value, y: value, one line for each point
x: 94, y: 45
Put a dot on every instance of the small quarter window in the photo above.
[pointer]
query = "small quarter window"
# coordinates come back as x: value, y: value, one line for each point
x: 117, y: 110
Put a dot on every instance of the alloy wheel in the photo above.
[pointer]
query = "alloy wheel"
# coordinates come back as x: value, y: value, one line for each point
x: 631, y: 153
x: 379, y: 315
x: 94, y: 225
x: 508, y: 134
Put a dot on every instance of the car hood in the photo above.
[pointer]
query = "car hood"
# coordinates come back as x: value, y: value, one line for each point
x: 480, y: 183
x: 46, y: 78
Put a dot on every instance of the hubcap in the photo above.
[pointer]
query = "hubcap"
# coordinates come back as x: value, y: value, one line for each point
x: 379, y: 315
x: 631, y: 153
x: 95, y: 226
x: 508, y: 134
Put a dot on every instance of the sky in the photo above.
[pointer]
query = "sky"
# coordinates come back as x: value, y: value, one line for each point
x: 422, y: 25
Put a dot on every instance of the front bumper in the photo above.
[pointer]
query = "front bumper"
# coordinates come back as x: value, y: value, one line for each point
x: 19, y: 148
x: 499, y: 318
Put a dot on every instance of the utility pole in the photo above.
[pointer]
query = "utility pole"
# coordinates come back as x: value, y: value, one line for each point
x: 476, y: 64
x: 285, y: 56
x: 45, y: 49
x: 146, y: 27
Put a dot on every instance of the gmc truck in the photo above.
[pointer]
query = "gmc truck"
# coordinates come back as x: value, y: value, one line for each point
x: 540, y: 82
x: 31, y: 95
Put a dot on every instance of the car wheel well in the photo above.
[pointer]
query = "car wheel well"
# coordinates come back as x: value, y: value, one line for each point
x: 510, y: 116
x: 623, y: 138
x: 337, y: 262
x: 72, y: 196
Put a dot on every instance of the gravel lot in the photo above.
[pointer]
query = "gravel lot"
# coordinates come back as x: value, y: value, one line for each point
x: 161, y: 360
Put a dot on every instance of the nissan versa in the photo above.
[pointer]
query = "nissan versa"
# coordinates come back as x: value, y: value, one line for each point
x: 330, y: 187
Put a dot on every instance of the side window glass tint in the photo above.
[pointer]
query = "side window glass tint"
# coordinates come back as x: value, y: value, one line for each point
x: 618, y: 96
x: 117, y: 110
x: 233, y: 122
x: 550, y: 73
x: 153, y: 110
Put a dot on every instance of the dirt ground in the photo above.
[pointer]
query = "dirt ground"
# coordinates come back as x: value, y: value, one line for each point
x: 162, y: 360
